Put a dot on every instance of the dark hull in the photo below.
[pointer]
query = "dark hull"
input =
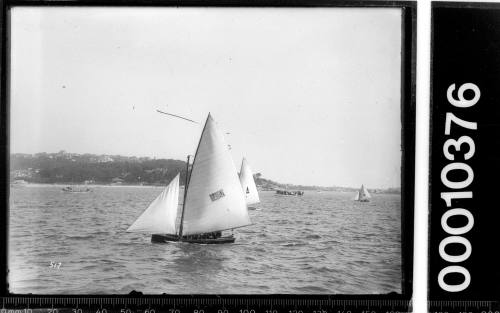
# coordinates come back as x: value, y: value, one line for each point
x: 289, y: 193
x: 173, y: 238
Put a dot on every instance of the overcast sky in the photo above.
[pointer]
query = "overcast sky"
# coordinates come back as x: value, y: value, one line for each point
x: 309, y: 95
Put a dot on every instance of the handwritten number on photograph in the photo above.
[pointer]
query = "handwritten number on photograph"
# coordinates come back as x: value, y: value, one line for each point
x: 55, y: 265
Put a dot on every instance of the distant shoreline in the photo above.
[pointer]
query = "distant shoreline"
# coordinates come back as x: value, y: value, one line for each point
x: 67, y: 169
x: 61, y: 185
x: 86, y: 185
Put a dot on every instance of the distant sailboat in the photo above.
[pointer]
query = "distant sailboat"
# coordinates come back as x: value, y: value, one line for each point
x: 213, y: 198
x: 362, y: 195
x: 248, y: 184
x: 76, y: 189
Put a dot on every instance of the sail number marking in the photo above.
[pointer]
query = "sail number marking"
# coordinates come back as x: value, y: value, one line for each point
x: 217, y: 195
x: 457, y: 175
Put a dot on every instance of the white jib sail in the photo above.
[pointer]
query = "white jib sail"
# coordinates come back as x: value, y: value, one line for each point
x: 248, y: 184
x: 161, y: 214
x: 214, y: 199
x: 356, y: 198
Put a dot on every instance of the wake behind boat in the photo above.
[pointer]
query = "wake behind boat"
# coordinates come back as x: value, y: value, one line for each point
x: 213, y: 199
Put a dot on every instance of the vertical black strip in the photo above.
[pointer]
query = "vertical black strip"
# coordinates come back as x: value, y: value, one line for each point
x: 408, y: 77
x: 186, y: 183
x: 465, y: 49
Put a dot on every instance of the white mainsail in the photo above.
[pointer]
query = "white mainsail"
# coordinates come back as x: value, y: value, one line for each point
x: 356, y: 198
x: 248, y: 183
x: 214, y: 199
x: 364, y: 195
x: 161, y: 214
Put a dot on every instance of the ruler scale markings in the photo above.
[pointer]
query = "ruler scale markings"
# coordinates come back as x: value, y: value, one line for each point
x: 282, y: 304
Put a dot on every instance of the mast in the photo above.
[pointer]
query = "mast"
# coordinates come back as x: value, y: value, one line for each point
x: 184, y: 201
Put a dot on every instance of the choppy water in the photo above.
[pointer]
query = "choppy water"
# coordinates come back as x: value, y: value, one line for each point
x: 318, y: 243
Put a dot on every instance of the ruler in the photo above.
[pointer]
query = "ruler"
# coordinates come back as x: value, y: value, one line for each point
x: 200, y: 304
x: 464, y: 306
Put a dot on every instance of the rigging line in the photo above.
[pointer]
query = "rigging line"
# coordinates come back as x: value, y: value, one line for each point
x: 177, y: 116
x: 227, y: 133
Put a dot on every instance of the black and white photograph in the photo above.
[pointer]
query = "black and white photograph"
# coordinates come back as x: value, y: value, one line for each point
x: 206, y: 150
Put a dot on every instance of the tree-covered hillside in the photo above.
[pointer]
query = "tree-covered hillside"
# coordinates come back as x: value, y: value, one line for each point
x: 65, y: 167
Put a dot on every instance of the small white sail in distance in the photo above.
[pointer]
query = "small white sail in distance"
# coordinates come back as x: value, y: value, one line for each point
x: 363, y: 193
x: 214, y: 198
x: 160, y: 216
x: 356, y: 198
x: 248, y: 183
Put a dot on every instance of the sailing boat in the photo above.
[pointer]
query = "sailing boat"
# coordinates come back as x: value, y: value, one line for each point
x: 248, y: 184
x: 362, y: 195
x: 213, y: 198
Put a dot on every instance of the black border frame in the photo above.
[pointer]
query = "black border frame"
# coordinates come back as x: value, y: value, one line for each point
x: 408, y: 116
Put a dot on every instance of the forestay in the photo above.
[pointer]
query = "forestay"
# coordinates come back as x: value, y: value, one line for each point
x: 214, y: 199
x: 160, y: 216
x: 248, y: 183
